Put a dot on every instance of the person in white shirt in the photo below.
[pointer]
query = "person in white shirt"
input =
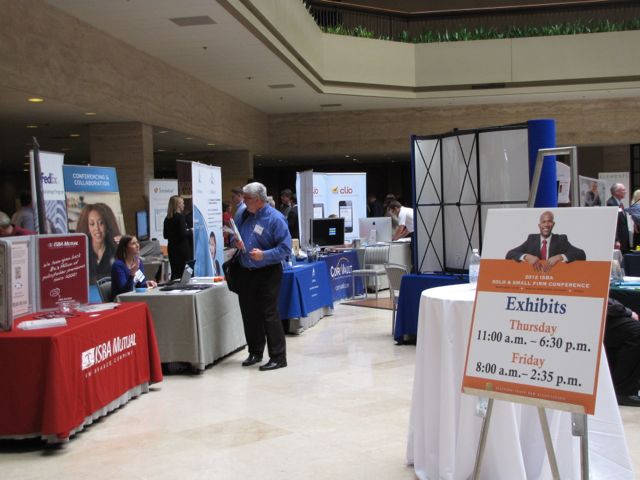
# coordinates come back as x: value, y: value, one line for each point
x: 405, y: 219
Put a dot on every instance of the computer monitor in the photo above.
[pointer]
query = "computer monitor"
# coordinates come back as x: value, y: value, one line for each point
x: 142, y: 225
x: 381, y: 225
x: 327, y: 232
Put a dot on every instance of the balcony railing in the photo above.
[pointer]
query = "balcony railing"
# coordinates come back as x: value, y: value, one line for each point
x: 503, y: 22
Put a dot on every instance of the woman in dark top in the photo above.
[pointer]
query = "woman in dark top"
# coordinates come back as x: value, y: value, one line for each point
x: 98, y: 223
x: 176, y: 232
x: 127, y: 271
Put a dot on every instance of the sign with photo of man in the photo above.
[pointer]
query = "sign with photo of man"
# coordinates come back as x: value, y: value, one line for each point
x: 541, y: 300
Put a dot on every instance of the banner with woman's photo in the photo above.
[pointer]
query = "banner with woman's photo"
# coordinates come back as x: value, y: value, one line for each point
x: 93, y: 208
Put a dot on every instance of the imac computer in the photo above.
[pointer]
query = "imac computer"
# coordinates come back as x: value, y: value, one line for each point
x: 142, y: 225
x: 327, y: 232
x: 375, y: 230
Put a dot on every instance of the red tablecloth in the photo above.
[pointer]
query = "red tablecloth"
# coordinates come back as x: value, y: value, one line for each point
x: 52, y: 379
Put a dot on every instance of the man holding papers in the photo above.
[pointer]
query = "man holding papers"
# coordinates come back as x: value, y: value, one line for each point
x: 264, y: 241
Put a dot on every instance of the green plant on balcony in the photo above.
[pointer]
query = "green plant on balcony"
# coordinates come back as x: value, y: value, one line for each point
x: 491, y: 33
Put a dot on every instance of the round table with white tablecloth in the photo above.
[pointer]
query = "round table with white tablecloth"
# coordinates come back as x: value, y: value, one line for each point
x: 444, y: 429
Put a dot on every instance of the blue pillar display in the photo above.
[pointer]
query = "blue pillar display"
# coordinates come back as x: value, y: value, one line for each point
x: 542, y: 134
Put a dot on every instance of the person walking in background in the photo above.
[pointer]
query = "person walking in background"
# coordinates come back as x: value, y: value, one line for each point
x: 237, y: 200
x: 98, y: 222
x: 618, y: 194
x: 265, y: 243
x: 374, y: 207
x: 634, y: 211
x: 289, y: 209
x: 7, y: 229
x: 24, y: 216
x: 177, y: 234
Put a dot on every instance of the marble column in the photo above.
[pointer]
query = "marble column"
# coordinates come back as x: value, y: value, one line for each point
x: 128, y: 147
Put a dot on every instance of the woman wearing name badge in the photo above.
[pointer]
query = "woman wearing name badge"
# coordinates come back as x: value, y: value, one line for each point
x: 98, y: 223
x: 176, y: 232
x: 127, y: 271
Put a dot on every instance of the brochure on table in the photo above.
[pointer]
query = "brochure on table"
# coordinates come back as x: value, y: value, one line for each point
x: 537, y: 327
x: 17, y: 279
x: 160, y: 191
x: 52, y: 179
x: 62, y: 271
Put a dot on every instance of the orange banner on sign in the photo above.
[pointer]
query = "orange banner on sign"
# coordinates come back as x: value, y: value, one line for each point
x: 580, y: 278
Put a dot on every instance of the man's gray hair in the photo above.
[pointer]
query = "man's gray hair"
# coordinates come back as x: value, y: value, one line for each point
x: 255, y: 189
x: 615, y: 187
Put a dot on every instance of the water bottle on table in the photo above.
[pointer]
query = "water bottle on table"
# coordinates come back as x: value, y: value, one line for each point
x: 474, y: 267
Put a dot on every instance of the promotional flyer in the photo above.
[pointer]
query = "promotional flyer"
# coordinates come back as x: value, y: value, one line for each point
x: 540, y: 306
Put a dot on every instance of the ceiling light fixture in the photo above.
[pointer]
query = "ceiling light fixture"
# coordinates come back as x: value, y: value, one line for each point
x: 162, y: 131
x: 35, y: 99
x: 188, y: 138
x: 282, y: 85
x: 211, y: 144
x: 90, y: 114
x: 74, y: 135
x: 32, y: 126
x: 193, y: 21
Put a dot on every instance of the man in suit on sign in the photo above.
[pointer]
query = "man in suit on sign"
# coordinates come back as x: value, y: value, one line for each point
x: 544, y: 250
x: 618, y: 194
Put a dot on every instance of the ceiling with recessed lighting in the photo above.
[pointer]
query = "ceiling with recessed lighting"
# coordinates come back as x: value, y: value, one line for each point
x: 204, y: 40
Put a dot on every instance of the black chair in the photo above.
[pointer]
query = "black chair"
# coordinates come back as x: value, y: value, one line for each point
x: 104, y: 288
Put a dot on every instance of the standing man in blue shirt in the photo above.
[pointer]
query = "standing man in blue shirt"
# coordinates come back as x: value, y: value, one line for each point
x: 265, y: 243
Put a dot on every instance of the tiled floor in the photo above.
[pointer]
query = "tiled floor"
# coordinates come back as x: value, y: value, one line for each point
x: 339, y: 411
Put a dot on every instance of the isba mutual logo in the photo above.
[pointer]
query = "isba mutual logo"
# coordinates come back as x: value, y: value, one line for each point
x: 101, y: 353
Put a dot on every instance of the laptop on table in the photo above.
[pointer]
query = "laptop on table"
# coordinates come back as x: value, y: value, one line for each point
x: 183, y: 283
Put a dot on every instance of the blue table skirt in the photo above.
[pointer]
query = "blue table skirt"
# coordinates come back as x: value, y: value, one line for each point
x: 411, y: 288
x: 305, y: 288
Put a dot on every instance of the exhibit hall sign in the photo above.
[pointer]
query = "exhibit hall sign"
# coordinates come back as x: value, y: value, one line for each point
x: 539, y: 314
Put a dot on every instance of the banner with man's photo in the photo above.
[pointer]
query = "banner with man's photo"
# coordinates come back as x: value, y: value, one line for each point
x: 93, y: 208
x: 540, y: 308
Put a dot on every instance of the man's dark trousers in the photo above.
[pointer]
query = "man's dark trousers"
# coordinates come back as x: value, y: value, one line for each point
x: 259, y: 292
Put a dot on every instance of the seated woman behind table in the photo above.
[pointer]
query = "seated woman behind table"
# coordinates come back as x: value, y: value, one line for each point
x: 127, y: 271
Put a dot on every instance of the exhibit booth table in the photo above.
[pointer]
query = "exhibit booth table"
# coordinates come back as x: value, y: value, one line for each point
x: 305, y: 295
x: 411, y: 288
x: 444, y: 428
x: 194, y: 326
x: 57, y: 380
